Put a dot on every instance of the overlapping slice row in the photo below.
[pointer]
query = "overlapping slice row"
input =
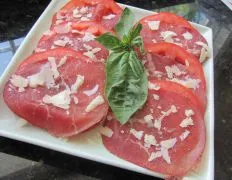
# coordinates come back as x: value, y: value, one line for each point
x: 170, y: 62
x: 105, y: 12
x: 166, y: 136
x: 168, y: 27
x: 77, y: 36
x: 58, y: 90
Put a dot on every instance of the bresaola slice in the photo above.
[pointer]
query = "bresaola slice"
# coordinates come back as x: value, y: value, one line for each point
x: 59, y: 91
x: 166, y: 136
x: 170, y: 62
x: 171, y: 28
x: 77, y: 36
x: 105, y: 12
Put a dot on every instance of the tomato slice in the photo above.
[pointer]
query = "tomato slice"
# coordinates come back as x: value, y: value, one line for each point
x: 170, y: 62
x: 105, y: 12
x: 171, y: 28
x: 173, y: 149
x: 62, y: 122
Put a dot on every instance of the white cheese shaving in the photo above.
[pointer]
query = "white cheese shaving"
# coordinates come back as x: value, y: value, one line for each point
x: 187, y: 63
x: 79, y: 81
x: 184, y: 135
x: 187, y: 122
x: 60, y: 42
x: 88, y: 37
x: 61, y: 100
x: 74, y: 31
x: 62, y: 61
x: 89, y: 15
x: 189, y: 112
x: 59, y: 16
x: 85, y: 19
x: 59, y: 21
x: 153, y: 25
x: 36, y: 80
x: 156, y: 97
x: 108, y: 17
x: 168, y: 35
x: 52, y: 61
x: 148, y: 119
x: 19, y: 82
x: 76, y: 13
x: 154, y: 155
x: 106, y: 131
x: 188, y: 82
x: 169, y: 143
x: 84, y: 10
x: 153, y: 86
x: 91, y: 91
x: 202, y: 44
x: 165, y: 155
x: 75, y: 100
x: 154, y: 41
x: 91, y: 53
x: 37, y: 50
x: 187, y: 35
x: 204, y: 55
x: 137, y: 134
x: 94, y: 103
x: 149, y: 140
x: 87, y: 47
x: 173, y: 70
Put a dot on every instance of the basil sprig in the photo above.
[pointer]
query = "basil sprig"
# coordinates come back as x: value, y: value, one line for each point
x: 126, y: 81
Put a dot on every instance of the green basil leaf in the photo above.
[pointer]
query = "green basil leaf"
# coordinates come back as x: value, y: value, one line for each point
x: 125, y: 23
x: 135, y: 31
x: 126, y: 84
x: 138, y: 42
x: 108, y: 40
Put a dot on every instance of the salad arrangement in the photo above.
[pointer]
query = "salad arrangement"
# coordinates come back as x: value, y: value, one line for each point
x: 142, y: 81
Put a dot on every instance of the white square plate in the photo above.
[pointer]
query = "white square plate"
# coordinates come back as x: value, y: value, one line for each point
x: 89, y: 145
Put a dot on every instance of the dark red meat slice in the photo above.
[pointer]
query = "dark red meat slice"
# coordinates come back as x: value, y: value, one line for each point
x: 89, y: 10
x: 185, y: 143
x: 58, y: 119
x: 174, y: 29
x: 77, y: 36
x: 170, y: 62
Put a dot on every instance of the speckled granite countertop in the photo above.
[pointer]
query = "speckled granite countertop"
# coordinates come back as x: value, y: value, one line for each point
x: 17, y: 19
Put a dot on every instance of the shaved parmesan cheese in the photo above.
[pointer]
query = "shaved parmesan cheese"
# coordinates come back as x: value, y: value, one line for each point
x: 169, y: 143
x: 89, y: 15
x: 187, y: 36
x: 94, y: 103
x: 189, y: 112
x: 149, y: 140
x: 79, y: 81
x: 63, y: 29
x: 157, y: 124
x: 36, y: 80
x: 204, y: 55
x: 95, y: 50
x: 153, y: 86
x: 61, y: 43
x: 148, y: 119
x: 187, y: 63
x: 122, y: 131
x: 106, y: 131
x: 137, y: 134
x: 62, y: 61
x: 59, y: 16
x: 59, y: 21
x: 187, y: 122
x: 108, y: 17
x: 173, y: 70
x: 92, y: 91
x: 52, y: 61
x: 184, y: 135
x: 74, y: 31
x: 154, y: 155
x: 159, y: 107
x: 153, y: 25
x: 87, y: 47
x: 156, y: 97
x: 84, y: 19
x: 19, y: 82
x: 76, y: 13
x: 89, y: 54
x: 154, y: 41
x: 84, y: 10
x: 188, y: 82
x: 75, y: 100
x: 165, y: 155
x: 61, y: 100
x: 202, y: 44
x: 168, y: 35
x: 88, y: 37
x: 39, y: 50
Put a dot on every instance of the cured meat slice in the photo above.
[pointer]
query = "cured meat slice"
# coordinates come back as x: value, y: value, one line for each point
x: 77, y: 36
x: 171, y: 28
x: 58, y: 90
x: 105, y: 12
x: 166, y: 136
x: 170, y: 62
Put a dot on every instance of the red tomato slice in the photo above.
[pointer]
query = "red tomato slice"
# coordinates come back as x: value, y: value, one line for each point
x: 80, y: 37
x: 105, y: 12
x: 171, y: 28
x: 170, y: 62
x: 63, y: 122
x: 176, y: 147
